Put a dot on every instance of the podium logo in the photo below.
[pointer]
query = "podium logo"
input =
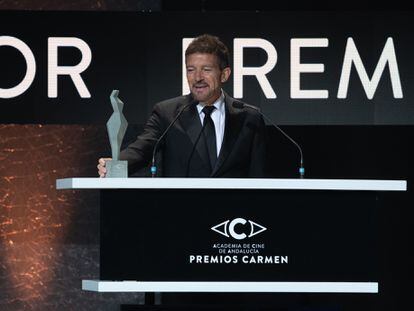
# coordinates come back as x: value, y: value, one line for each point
x: 234, y: 228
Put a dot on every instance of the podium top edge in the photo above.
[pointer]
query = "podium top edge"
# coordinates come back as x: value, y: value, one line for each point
x: 232, y: 184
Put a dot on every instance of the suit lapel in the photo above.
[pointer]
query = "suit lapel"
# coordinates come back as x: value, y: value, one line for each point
x: 233, y: 124
x: 190, y: 122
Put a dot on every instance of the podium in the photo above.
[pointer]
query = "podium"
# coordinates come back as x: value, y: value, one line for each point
x: 237, y: 235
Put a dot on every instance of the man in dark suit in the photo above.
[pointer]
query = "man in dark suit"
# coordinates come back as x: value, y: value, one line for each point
x: 211, y: 137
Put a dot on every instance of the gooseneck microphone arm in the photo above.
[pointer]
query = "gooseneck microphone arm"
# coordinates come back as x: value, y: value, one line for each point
x: 154, y: 152
x: 240, y: 105
x: 193, y: 149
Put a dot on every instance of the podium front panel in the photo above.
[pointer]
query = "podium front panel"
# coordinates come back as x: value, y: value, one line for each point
x: 239, y: 235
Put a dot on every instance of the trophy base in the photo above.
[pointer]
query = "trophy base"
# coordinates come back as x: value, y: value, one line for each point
x: 116, y: 169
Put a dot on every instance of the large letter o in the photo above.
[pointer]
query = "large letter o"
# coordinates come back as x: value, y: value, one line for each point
x: 30, y: 67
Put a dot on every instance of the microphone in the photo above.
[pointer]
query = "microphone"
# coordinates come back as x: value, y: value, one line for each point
x: 240, y: 105
x: 154, y: 152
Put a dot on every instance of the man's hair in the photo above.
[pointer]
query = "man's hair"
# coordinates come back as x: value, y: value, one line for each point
x: 209, y: 44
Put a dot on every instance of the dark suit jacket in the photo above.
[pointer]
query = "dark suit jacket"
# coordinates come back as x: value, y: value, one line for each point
x: 242, y: 152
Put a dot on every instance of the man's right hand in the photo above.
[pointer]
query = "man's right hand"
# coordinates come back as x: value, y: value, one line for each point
x: 102, y: 166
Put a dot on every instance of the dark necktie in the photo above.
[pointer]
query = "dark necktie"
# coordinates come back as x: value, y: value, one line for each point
x: 210, y: 135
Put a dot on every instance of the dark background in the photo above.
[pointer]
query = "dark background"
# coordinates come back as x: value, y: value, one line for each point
x: 49, y: 239
x: 145, y: 63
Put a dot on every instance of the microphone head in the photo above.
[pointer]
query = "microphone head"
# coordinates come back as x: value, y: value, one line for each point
x: 192, y: 100
x: 191, y: 104
x: 238, y: 105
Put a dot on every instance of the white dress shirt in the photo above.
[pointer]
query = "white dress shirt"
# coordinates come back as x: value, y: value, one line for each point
x: 218, y: 116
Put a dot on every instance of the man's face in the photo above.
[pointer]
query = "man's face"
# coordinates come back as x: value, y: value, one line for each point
x: 205, y: 77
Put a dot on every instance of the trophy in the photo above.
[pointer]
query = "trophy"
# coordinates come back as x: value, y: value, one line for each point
x: 116, y: 126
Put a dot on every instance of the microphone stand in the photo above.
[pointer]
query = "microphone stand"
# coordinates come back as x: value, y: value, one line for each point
x: 241, y: 105
x: 153, y: 166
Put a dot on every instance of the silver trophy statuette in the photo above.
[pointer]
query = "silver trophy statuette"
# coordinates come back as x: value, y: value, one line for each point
x: 116, y: 126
